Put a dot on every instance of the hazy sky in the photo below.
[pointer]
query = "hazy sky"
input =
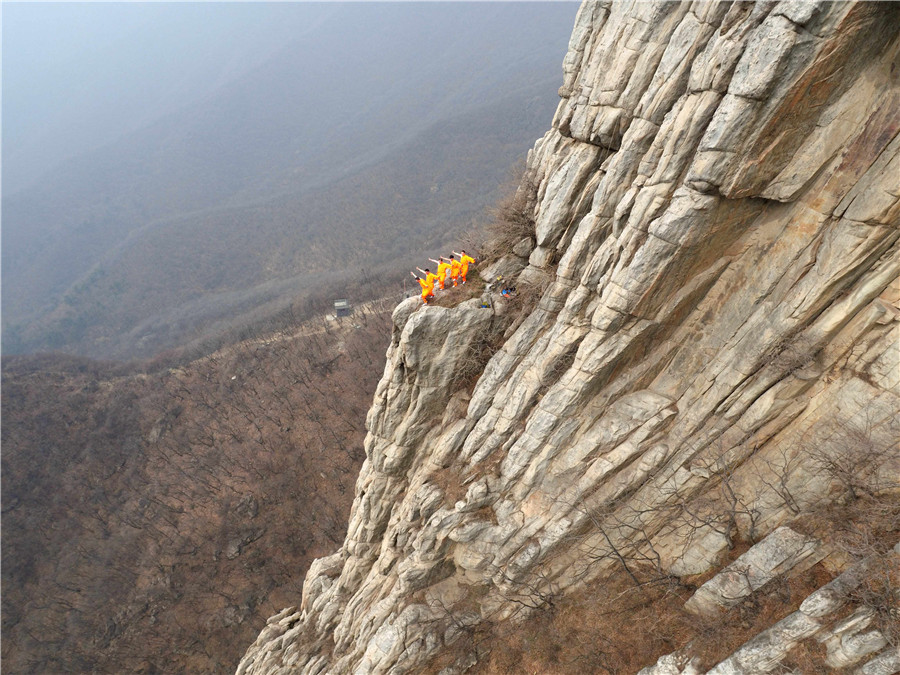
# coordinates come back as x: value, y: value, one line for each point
x: 78, y: 75
x: 146, y: 144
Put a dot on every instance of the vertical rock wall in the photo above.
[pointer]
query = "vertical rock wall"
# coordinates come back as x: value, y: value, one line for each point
x: 717, y: 226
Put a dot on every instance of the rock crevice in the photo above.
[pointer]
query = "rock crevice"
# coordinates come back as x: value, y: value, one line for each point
x: 718, y: 212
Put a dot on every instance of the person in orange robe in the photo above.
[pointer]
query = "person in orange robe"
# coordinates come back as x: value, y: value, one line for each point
x: 427, y: 284
x: 430, y: 276
x: 442, y: 267
x: 455, y: 269
x: 464, y: 261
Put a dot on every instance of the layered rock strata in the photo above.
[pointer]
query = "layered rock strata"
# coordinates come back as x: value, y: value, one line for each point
x: 716, y: 229
x: 850, y: 642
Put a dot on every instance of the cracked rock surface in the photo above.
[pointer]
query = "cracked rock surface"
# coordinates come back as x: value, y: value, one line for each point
x: 718, y: 213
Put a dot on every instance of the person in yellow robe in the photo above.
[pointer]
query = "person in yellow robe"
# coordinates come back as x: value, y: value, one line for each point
x: 464, y: 261
x: 455, y: 269
x: 427, y: 284
x: 442, y: 267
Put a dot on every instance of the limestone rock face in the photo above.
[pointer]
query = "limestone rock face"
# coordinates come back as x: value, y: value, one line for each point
x: 718, y: 213
x: 775, y: 555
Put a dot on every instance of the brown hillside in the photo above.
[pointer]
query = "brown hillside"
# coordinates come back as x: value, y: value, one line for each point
x: 152, y: 521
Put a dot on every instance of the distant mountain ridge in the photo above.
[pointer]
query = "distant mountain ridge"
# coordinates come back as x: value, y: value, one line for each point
x: 81, y: 76
x: 271, y: 141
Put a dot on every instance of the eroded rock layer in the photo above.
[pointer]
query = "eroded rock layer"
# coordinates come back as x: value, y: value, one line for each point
x: 716, y: 233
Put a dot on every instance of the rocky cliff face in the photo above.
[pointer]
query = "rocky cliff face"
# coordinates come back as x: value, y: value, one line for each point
x: 715, y: 350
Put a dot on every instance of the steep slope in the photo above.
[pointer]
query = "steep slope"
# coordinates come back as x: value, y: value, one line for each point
x: 714, y: 352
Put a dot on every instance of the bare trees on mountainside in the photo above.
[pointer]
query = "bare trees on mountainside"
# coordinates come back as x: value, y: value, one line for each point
x: 153, y: 521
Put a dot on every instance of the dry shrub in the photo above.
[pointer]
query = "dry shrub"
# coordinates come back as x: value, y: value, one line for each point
x: 718, y: 637
x: 859, y: 528
x: 167, y: 463
x: 865, y: 530
x: 466, y: 648
x: 483, y: 346
x: 584, y: 633
x: 792, y: 354
x: 511, y: 221
x: 523, y: 302
x: 807, y: 657
x: 880, y: 591
x: 447, y: 480
x: 451, y: 297
x: 852, y: 458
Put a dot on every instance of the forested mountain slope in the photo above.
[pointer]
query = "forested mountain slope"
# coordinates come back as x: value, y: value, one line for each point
x: 153, y: 517
x: 378, y: 134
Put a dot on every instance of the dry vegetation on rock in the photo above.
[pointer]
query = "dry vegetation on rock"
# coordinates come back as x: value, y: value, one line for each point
x: 625, y: 621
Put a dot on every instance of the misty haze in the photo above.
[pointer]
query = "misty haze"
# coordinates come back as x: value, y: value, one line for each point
x: 187, y: 189
x: 174, y: 173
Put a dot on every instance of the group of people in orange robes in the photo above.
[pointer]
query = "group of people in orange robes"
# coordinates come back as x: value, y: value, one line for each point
x: 457, y: 265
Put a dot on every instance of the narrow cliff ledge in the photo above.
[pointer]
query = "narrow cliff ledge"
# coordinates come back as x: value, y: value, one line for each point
x: 717, y: 225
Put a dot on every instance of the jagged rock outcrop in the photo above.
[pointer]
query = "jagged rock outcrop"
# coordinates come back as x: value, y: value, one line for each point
x: 717, y: 218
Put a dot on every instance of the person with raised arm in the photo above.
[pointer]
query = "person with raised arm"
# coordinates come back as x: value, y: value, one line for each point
x: 464, y: 261
x: 442, y: 267
x: 427, y: 283
x: 430, y: 276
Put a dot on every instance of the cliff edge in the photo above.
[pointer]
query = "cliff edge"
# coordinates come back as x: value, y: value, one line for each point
x: 714, y: 352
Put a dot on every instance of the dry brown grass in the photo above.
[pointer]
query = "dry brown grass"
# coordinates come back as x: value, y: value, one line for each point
x: 451, y: 297
x: 617, y: 627
x: 865, y: 529
x: 447, y: 480
x: 807, y: 657
x: 522, y: 303
x: 717, y: 638
x: 792, y: 354
x: 483, y: 347
x: 584, y: 633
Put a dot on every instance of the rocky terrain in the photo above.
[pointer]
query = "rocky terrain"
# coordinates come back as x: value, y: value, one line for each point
x: 696, y: 384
